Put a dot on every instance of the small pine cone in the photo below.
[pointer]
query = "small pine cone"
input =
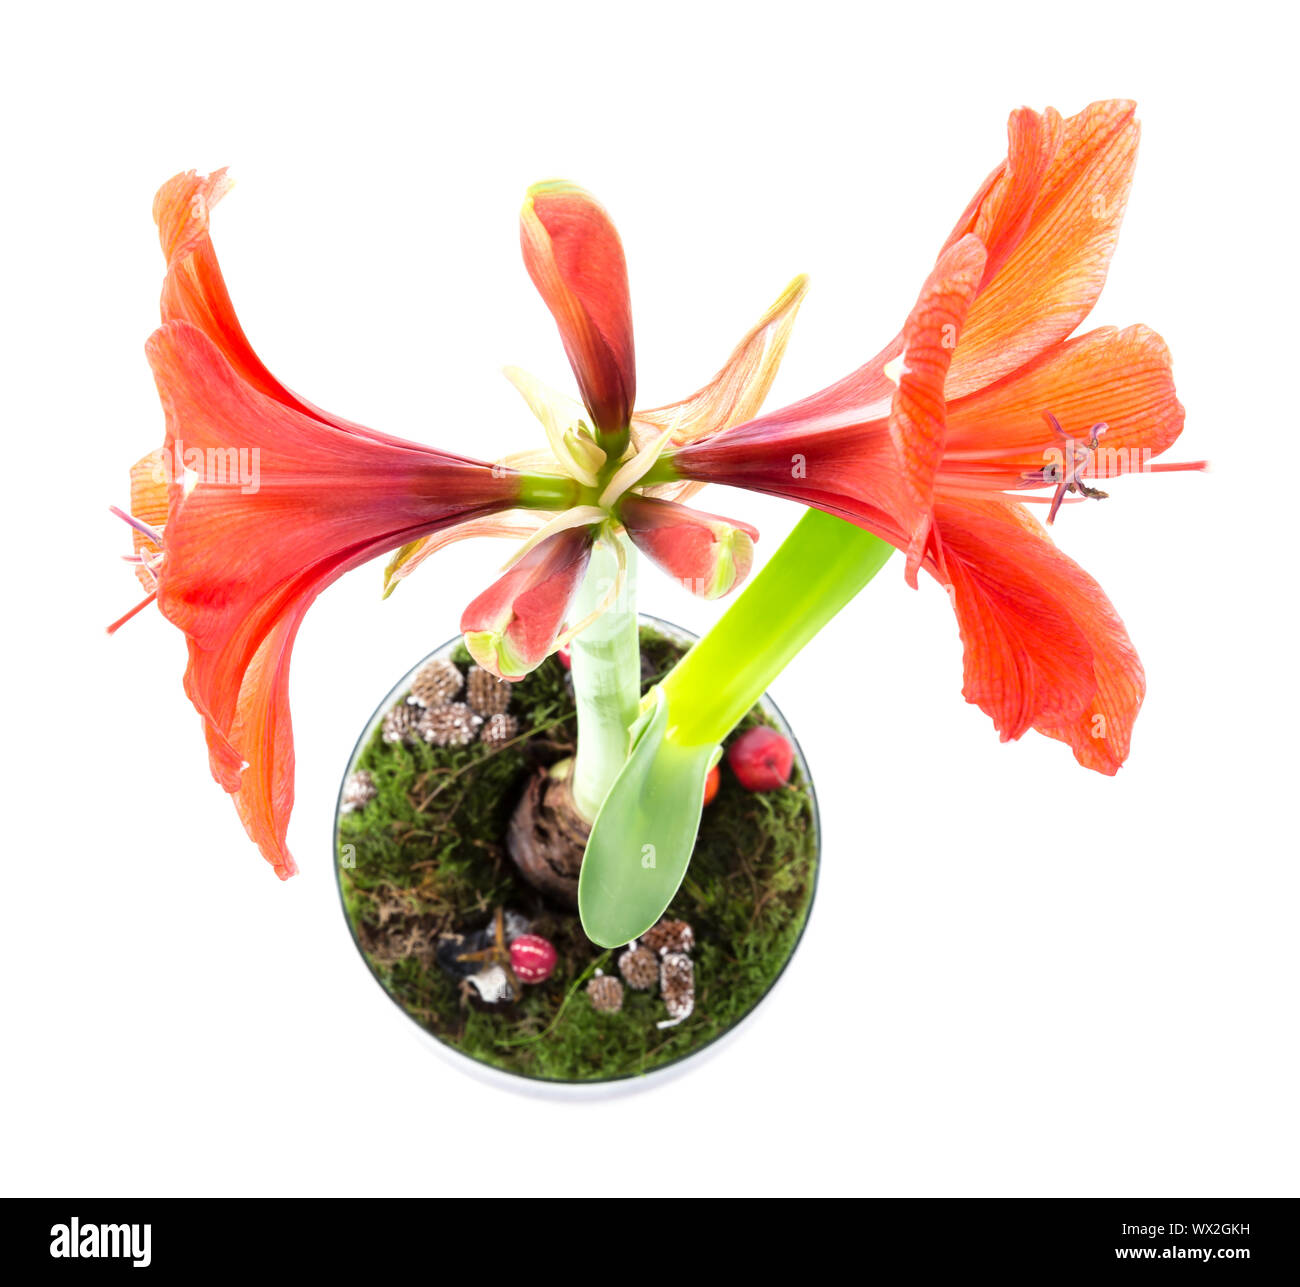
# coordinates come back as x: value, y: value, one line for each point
x: 358, y: 791
x: 677, y: 983
x: 454, y: 725
x: 400, y: 723
x: 499, y: 729
x: 436, y: 683
x: 639, y: 968
x: 669, y: 936
x: 487, y: 694
x: 606, y: 993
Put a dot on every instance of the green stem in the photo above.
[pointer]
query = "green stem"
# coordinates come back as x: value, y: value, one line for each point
x: 821, y: 565
x: 606, y: 669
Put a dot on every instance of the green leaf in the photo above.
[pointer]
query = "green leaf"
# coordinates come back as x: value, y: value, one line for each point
x: 644, y: 834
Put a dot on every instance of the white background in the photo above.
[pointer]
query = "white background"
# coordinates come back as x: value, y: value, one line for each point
x: 1020, y: 978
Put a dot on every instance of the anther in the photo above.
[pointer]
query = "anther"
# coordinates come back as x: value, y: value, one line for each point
x: 1080, y: 456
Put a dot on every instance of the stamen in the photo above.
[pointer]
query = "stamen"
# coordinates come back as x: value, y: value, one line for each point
x: 1091, y: 493
x: 149, y: 533
x: 139, y: 607
x: 1011, y: 498
x: 147, y: 561
x: 150, y: 568
x: 1177, y: 465
x: 1067, y: 478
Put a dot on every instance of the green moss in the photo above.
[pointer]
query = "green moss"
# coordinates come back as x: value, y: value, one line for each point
x: 427, y: 857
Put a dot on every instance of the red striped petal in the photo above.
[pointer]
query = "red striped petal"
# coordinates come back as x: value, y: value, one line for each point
x: 575, y: 258
x: 1000, y: 213
x: 706, y: 554
x: 1044, y: 647
x: 268, y: 506
x: 1122, y: 378
x: 1046, y: 272
x: 194, y: 289
x: 513, y: 626
x: 917, y: 419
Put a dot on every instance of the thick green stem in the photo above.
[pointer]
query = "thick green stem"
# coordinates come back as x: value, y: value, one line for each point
x: 606, y: 671
x: 822, y: 564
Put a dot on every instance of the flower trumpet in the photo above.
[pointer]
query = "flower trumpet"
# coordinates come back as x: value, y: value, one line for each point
x: 982, y: 403
x: 258, y: 500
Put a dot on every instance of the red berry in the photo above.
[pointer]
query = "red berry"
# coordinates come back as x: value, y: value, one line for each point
x: 532, y: 958
x: 564, y: 657
x: 711, y: 784
x: 761, y: 759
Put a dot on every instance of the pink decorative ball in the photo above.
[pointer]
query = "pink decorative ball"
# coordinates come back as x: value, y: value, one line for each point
x: 532, y: 958
x: 761, y: 759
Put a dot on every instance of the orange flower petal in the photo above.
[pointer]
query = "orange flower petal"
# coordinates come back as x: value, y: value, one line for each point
x: 149, y: 489
x: 1123, y: 378
x: 194, y: 290
x: 573, y: 254
x: 1047, y: 284
x: 1044, y: 648
x: 263, y: 725
x: 1000, y: 212
x: 999, y: 216
x: 268, y: 506
x: 149, y: 504
x: 918, y: 415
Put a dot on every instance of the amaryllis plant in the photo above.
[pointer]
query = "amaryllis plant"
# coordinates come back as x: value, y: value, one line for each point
x: 258, y: 500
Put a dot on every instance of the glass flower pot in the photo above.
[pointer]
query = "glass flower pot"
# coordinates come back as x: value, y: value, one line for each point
x: 457, y: 930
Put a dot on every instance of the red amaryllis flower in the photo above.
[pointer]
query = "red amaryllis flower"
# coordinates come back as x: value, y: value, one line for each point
x: 257, y: 502
x: 574, y: 256
x: 982, y: 400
